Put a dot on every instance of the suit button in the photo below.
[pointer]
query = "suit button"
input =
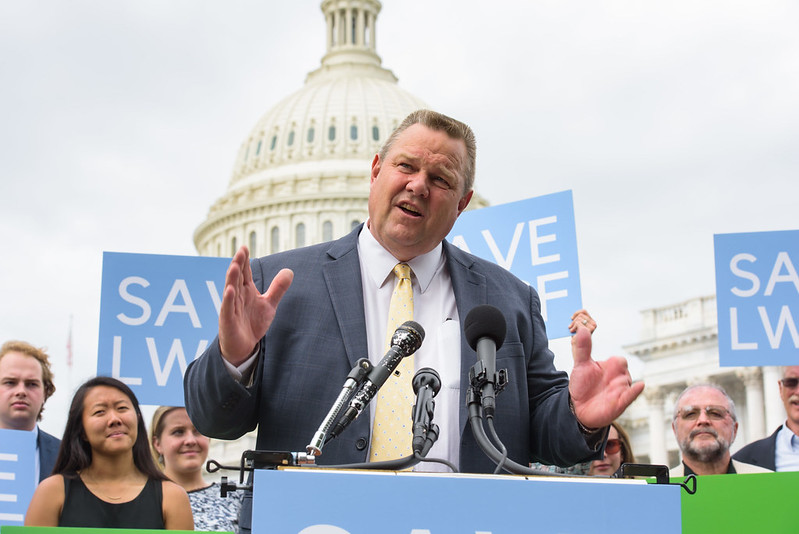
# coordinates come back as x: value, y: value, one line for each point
x: 360, y: 444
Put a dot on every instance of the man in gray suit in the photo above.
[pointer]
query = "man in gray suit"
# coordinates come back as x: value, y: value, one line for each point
x: 292, y: 325
x: 26, y: 382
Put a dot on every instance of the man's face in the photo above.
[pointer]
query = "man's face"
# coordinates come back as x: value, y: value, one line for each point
x: 21, y: 391
x: 416, y: 194
x: 790, y: 397
x: 704, y: 434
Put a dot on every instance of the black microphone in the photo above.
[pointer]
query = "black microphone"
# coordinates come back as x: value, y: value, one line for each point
x: 405, y: 341
x: 426, y: 385
x: 485, y: 330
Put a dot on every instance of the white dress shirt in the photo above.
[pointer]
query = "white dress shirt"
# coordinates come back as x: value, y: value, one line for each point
x: 434, y: 308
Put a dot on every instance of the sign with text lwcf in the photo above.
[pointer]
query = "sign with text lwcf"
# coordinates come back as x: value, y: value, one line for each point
x: 757, y: 295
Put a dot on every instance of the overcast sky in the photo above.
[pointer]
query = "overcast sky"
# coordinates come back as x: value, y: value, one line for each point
x: 670, y: 121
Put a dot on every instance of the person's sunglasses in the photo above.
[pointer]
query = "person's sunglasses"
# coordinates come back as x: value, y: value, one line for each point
x: 613, y: 446
x: 790, y: 383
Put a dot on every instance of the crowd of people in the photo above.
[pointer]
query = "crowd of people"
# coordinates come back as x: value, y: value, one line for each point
x: 265, y: 369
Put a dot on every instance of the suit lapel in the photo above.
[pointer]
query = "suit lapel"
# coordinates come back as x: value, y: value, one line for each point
x: 469, y: 287
x: 346, y: 294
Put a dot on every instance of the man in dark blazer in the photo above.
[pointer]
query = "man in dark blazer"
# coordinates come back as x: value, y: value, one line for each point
x: 281, y: 368
x: 26, y: 382
x: 780, y: 450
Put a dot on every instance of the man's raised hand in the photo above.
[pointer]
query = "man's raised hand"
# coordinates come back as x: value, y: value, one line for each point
x: 600, y: 391
x: 246, y: 314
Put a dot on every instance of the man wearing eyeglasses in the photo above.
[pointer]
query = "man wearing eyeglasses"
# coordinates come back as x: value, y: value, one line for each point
x: 705, y: 426
x: 779, y: 451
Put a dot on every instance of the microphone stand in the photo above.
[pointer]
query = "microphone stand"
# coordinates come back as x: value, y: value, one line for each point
x: 354, y: 379
x: 479, y: 379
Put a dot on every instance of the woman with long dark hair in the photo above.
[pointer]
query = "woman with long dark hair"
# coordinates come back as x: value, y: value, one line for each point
x: 104, y: 475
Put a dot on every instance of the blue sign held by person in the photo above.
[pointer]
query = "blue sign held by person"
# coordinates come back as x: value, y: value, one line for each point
x: 757, y: 295
x: 17, y: 474
x: 157, y: 314
x: 536, y: 240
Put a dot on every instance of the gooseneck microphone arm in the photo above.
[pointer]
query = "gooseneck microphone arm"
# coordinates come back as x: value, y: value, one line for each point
x: 354, y: 379
x: 485, y: 328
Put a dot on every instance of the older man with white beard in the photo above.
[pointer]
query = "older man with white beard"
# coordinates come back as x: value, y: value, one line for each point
x: 705, y: 426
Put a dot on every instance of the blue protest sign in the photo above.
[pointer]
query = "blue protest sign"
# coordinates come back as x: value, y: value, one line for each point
x: 157, y: 314
x: 757, y: 295
x: 17, y: 474
x: 536, y: 240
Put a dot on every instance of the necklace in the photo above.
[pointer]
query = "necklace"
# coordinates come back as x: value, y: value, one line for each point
x: 96, y: 489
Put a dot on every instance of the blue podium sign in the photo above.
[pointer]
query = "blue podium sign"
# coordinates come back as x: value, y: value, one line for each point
x: 318, y: 501
x: 757, y: 296
x: 157, y: 314
x: 536, y: 240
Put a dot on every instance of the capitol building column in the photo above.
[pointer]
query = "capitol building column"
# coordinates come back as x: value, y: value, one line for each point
x: 657, y: 435
x: 775, y: 411
x: 755, y: 411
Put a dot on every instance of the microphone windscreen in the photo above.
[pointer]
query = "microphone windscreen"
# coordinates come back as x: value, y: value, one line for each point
x: 426, y: 376
x: 415, y: 327
x: 484, y: 321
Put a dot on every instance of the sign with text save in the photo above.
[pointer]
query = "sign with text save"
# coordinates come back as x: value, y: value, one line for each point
x: 757, y: 295
x: 157, y: 314
x: 535, y: 239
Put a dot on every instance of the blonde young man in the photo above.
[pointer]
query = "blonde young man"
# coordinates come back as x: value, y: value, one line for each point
x: 26, y: 382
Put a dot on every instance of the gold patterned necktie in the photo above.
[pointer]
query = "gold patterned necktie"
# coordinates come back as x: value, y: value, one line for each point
x: 391, y: 434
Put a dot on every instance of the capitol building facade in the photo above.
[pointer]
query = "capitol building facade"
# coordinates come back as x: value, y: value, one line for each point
x: 301, y: 177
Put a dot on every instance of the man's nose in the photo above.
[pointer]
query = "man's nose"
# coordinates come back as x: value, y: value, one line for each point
x: 703, y: 417
x: 417, y: 184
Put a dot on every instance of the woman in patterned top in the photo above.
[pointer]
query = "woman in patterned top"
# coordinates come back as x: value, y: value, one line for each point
x: 181, y: 452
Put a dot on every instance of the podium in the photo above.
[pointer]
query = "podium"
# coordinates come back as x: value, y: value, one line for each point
x: 327, y: 501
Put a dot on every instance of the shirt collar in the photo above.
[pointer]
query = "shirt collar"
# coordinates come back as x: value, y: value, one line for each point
x: 379, y: 263
x: 788, y: 438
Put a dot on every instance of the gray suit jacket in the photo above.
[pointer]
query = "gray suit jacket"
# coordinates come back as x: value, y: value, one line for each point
x: 319, y: 333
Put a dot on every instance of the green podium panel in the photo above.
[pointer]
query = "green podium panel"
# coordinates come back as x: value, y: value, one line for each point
x: 756, y: 503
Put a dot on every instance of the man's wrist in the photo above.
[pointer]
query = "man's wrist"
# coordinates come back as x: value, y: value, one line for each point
x: 583, y: 429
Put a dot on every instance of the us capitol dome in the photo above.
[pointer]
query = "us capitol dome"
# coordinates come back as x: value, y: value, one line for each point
x: 301, y: 176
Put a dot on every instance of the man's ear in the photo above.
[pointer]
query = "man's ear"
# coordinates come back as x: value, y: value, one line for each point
x: 375, y: 168
x: 463, y: 202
